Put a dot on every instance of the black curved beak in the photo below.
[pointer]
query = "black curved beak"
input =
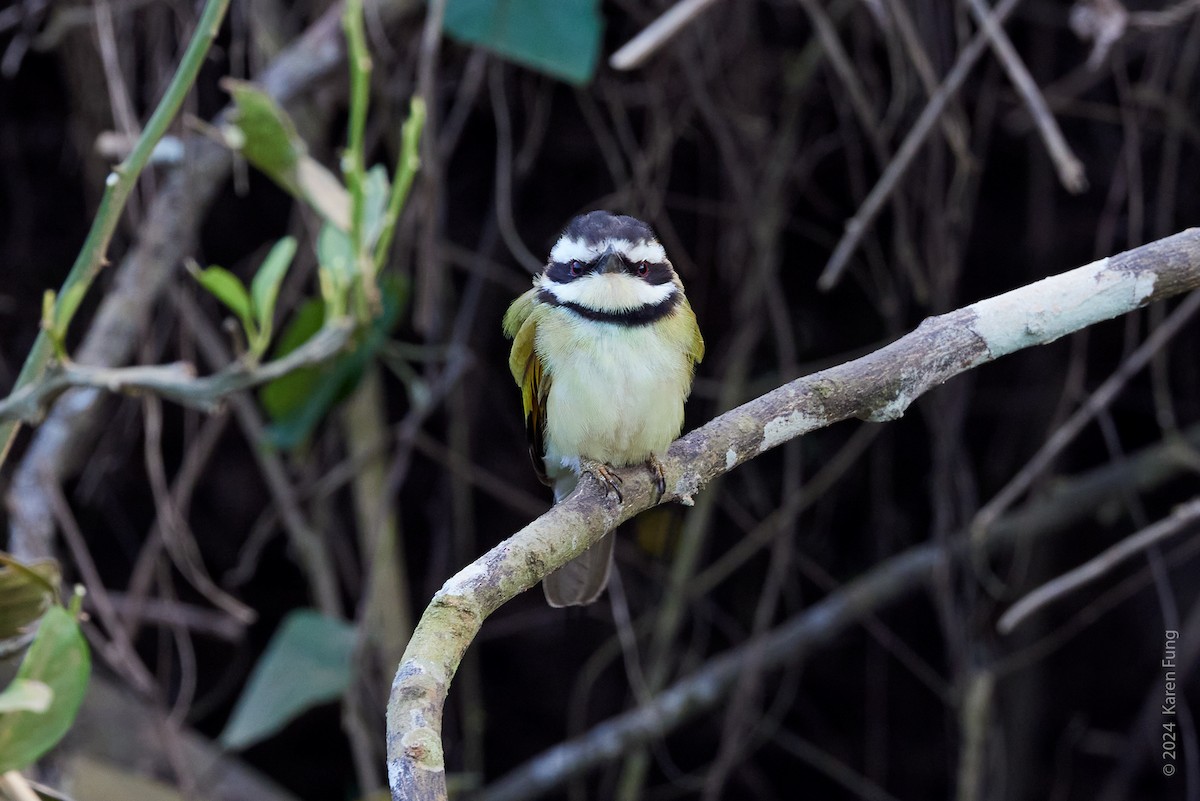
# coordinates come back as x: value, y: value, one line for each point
x: 612, y: 262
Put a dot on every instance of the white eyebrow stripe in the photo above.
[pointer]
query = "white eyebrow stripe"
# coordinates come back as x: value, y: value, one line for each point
x: 567, y: 249
x: 642, y: 251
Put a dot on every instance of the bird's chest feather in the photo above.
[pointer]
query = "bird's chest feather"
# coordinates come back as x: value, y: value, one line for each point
x: 616, y: 393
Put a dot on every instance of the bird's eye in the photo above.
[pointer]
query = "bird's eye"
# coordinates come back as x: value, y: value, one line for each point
x: 576, y: 268
x: 643, y: 269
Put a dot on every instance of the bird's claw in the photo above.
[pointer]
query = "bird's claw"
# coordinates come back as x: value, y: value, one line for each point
x: 608, y: 478
x: 660, y: 476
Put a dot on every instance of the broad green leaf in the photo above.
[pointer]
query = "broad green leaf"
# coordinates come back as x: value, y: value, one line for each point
x: 59, y: 659
x: 229, y: 289
x: 307, y: 663
x: 266, y: 136
x: 335, y: 383
x: 296, y: 409
x: 26, y: 695
x: 558, y: 37
x: 26, y: 592
x: 264, y: 289
x: 283, y: 396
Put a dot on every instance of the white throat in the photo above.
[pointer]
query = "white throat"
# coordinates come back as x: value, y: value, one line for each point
x: 609, y: 292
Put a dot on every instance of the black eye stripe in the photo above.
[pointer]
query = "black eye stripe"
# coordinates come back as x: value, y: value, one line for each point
x: 660, y: 272
x: 560, y: 272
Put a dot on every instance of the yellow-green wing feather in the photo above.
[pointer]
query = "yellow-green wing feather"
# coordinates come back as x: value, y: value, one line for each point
x: 520, y: 323
x: 695, y: 347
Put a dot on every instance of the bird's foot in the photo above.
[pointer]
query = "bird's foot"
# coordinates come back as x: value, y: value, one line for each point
x: 606, y: 475
x: 660, y: 476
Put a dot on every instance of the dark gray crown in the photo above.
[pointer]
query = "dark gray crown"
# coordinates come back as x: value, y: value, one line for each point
x: 597, y: 226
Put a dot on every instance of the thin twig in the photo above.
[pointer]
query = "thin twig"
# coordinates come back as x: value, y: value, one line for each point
x: 176, y: 381
x: 1181, y: 518
x: 92, y: 256
x: 64, y: 440
x: 819, y: 624
x: 124, y: 654
x: 307, y: 542
x: 1069, y: 167
x: 857, y: 225
x: 429, y: 279
x: 634, y: 53
x: 1104, y: 395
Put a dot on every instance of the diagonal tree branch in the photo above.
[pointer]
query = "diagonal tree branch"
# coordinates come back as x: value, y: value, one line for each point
x: 878, y: 386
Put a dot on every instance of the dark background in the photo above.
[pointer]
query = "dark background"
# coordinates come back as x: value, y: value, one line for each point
x: 739, y: 144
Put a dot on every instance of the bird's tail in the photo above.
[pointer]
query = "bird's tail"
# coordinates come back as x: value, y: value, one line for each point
x: 580, y: 581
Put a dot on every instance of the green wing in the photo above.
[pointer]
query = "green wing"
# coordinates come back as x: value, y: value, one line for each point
x: 520, y: 324
x: 695, y: 345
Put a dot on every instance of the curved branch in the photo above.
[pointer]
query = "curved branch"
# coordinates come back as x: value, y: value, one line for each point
x: 878, y: 386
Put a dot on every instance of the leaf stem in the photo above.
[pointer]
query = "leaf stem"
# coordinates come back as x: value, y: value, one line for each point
x: 352, y: 160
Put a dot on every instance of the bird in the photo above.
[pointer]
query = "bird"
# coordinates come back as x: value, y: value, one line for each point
x: 604, y: 351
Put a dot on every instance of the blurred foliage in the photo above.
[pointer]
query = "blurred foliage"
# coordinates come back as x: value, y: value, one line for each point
x: 26, y: 592
x: 299, y: 401
x: 558, y: 37
x: 306, y: 663
x: 255, y: 308
x: 37, y: 709
x: 265, y: 135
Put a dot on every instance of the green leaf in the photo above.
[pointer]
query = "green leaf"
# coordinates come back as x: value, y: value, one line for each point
x: 59, y: 659
x: 264, y: 289
x: 298, y: 408
x: 306, y: 664
x: 229, y: 289
x: 558, y: 37
x: 335, y: 253
x: 26, y: 695
x: 335, y: 267
x: 375, y: 197
x: 266, y: 136
x: 283, y: 396
x: 334, y: 383
x: 26, y: 592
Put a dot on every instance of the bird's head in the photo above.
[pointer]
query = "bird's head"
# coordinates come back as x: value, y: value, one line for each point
x: 610, y: 267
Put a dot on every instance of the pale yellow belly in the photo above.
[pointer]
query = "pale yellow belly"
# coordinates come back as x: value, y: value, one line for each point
x: 616, y: 395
